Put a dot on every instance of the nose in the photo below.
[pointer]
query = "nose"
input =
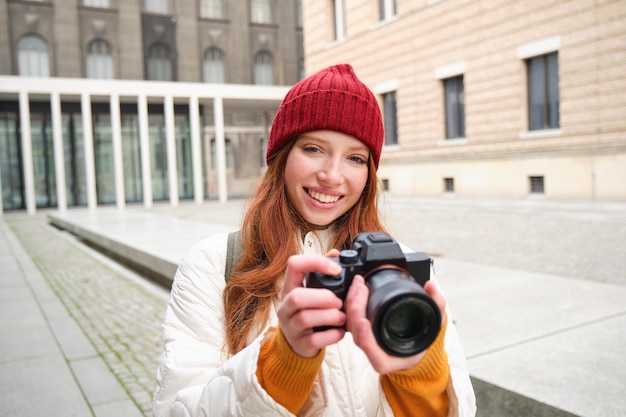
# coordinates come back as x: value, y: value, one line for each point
x: 331, y: 173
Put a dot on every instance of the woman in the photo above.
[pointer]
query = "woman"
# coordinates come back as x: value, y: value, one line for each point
x: 247, y: 347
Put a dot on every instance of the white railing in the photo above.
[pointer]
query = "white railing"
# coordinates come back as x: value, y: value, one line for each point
x: 23, y: 89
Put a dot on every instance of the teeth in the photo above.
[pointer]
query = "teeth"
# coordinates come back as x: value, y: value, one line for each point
x: 324, y: 198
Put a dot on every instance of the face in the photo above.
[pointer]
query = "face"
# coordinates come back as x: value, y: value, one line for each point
x: 325, y: 175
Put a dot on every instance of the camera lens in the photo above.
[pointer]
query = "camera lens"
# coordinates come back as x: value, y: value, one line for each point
x: 405, y: 320
x: 402, y: 319
x: 408, y: 325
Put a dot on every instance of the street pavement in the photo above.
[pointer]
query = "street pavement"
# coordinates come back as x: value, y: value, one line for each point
x: 80, y: 335
x: 536, y: 289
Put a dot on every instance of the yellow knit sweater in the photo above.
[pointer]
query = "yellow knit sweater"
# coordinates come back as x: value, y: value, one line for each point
x: 419, y: 391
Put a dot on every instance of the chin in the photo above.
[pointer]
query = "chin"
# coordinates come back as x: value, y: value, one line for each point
x: 317, y: 224
x: 321, y: 223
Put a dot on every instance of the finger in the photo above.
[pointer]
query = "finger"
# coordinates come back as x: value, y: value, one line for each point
x: 356, y: 302
x: 433, y: 290
x: 309, y: 344
x: 327, y: 337
x: 365, y: 339
x: 307, y: 299
x: 299, y: 265
x: 334, y: 253
x: 309, y: 319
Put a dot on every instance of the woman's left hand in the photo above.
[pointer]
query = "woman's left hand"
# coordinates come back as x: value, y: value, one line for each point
x: 361, y: 327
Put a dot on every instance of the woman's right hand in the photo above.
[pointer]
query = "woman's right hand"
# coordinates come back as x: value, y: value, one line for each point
x: 301, y: 309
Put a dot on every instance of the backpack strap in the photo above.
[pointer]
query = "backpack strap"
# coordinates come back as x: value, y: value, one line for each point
x: 234, y: 248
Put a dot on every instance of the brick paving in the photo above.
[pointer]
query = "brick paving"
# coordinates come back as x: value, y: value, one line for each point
x: 573, y: 239
x: 120, y: 317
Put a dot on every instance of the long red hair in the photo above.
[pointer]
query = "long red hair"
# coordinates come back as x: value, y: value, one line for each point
x: 271, y: 232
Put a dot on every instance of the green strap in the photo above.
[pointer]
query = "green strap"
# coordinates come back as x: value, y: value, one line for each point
x: 233, y: 252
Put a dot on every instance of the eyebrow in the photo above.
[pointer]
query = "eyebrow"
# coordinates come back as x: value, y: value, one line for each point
x: 353, y: 148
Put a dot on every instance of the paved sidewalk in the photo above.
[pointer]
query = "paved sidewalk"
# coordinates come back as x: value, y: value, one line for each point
x: 80, y: 335
x: 537, y: 291
x: 32, y: 359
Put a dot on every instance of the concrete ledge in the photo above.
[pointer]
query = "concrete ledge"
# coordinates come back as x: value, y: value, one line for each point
x: 140, y: 259
x: 147, y: 242
x: 494, y: 401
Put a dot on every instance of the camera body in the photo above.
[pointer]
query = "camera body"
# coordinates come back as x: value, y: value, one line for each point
x: 405, y: 320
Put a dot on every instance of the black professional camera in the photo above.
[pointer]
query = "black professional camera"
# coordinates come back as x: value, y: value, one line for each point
x: 405, y: 320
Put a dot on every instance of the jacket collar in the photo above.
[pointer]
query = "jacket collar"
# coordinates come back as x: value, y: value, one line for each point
x: 316, y: 242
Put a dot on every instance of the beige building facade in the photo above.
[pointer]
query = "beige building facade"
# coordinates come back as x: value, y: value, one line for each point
x: 492, y: 98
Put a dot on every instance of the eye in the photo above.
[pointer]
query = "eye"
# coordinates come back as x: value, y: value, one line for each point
x: 310, y: 149
x: 358, y: 159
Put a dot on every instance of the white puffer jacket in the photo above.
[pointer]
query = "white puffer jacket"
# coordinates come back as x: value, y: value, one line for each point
x: 196, y: 378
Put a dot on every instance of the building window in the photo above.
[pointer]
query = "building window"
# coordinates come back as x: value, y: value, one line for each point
x: 262, y: 150
x: 387, y: 9
x: 536, y: 185
x: 159, y: 63
x: 96, y: 3
x: 211, y: 9
x: 301, y: 70
x: 299, y: 13
x: 99, y: 60
x: 448, y: 185
x: 338, y: 25
x: 455, y: 107
x: 228, y: 148
x: 32, y: 57
x: 156, y: 6
x: 213, y: 66
x: 543, y: 92
x: 260, y: 11
x: 264, y: 68
x: 390, y: 118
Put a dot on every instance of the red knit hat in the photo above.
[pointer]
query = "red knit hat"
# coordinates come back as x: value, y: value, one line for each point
x: 332, y: 99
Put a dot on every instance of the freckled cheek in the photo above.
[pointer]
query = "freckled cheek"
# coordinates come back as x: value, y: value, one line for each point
x: 291, y: 169
x: 358, y: 180
x: 294, y: 175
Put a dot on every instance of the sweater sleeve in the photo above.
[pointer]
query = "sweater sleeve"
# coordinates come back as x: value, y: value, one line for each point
x: 421, y: 390
x: 287, y: 377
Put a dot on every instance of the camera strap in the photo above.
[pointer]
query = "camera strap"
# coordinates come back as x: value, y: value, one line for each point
x: 234, y: 248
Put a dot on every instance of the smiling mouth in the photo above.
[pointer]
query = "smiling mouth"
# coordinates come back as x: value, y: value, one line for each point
x: 323, y: 198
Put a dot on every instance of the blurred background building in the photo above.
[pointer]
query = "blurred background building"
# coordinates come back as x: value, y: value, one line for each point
x: 138, y: 101
x: 160, y: 47
x: 493, y: 98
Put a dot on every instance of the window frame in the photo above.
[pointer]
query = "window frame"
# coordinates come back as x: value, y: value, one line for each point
x: 338, y: 16
x: 299, y: 15
x: 211, y: 9
x: 263, y: 69
x: 106, y: 71
x: 390, y: 117
x: 99, y: 4
x: 207, y: 61
x: 228, y: 150
x: 37, y: 53
x: 454, y: 111
x: 152, y: 61
x: 387, y: 9
x: 536, y: 184
x: 261, y: 12
x: 542, y: 78
x: 156, y: 6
